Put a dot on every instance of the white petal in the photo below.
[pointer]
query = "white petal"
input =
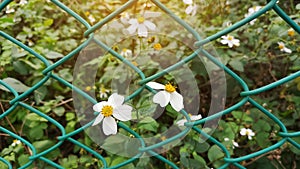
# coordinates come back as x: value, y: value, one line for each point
x: 133, y: 21
x: 142, y: 30
x: 188, y: 2
x: 224, y: 41
x: 109, y: 126
x: 98, y: 107
x: 243, y: 131
x: 155, y: 85
x: 123, y: 112
x: 189, y: 9
x: 226, y: 139
x: 230, y: 44
x: 181, y: 122
x: 287, y: 50
x: 176, y: 101
x: 197, y: 117
x: 98, y: 119
x: 115, y: 100
x: 132, y: 28
x: 162, y: 98
x: 150, y: 25
x: 235, y: 144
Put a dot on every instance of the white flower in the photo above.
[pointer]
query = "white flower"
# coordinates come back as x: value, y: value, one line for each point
x: 16, y: 142
x: 23, y: 2
x: 9, y: 10
x: 282, y: 47
x: 141, y: 25
x: 230, y: 41
x: 126, y: 52
x: 251, y: 11
x: 192, y: 8
x: 235, y: 144
x: 193, y: 118
x: 247, y: 132
x: 103, y: 92
x: 91, y: 18
x: 113, y: 107
x: 168, y: 94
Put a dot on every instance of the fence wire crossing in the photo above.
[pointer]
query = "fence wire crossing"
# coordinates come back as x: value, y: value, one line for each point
x: 48, y: 74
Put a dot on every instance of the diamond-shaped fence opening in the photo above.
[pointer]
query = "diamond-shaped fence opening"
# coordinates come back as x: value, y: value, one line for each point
x: 101, y: 46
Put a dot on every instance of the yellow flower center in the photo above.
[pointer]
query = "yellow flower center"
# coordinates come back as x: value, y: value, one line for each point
x: 281, y: 46
x: 15, y: 141
x: 169, y: 88
x: 103, y: 90
x: 291, y: 32
x: 230, y: 37
x: 88, y: 88
x: 141, y: 19
x: 107, y: 111
x: 157, y: 46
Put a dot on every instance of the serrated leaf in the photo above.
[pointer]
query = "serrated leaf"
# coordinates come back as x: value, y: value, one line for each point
x: 15, y: 84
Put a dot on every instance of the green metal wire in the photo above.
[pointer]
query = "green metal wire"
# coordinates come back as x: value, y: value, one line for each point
x: 149, y: 149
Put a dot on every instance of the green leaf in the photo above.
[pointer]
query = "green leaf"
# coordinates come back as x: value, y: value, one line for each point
x: 237, y: 65
x: 54, y: 55
x: 35, y: 117
x: 23, y: 159
x: 15, y: 84
x: 59, y: 111
x: 215, y: 153
x: 66, y: 74
x: 149, y: 124
x: 48, y: 22
x: 36, y: 133
x: 43, y: 145
x: 20, y: 68
x: 70, y: 116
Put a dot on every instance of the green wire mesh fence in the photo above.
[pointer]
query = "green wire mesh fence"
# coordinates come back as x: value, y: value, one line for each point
x: 149, y: 149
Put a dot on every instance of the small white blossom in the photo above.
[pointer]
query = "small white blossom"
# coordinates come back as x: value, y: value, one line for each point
x: 113, y: 107
x: 282, y: 47
x: 193, y: 118
x: 251, y: 11
x: 9, y: 10
x: 235, y: 144
x: 192, y: 8
x: 141, y: 25
x: 23, y: 2
x: 230, y: 41
x: 168, y: 95
x: 103, y: 92
x: 126, y: 52
x: 247, y: 132
x: 91, y: 18
x: 16, y: 142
